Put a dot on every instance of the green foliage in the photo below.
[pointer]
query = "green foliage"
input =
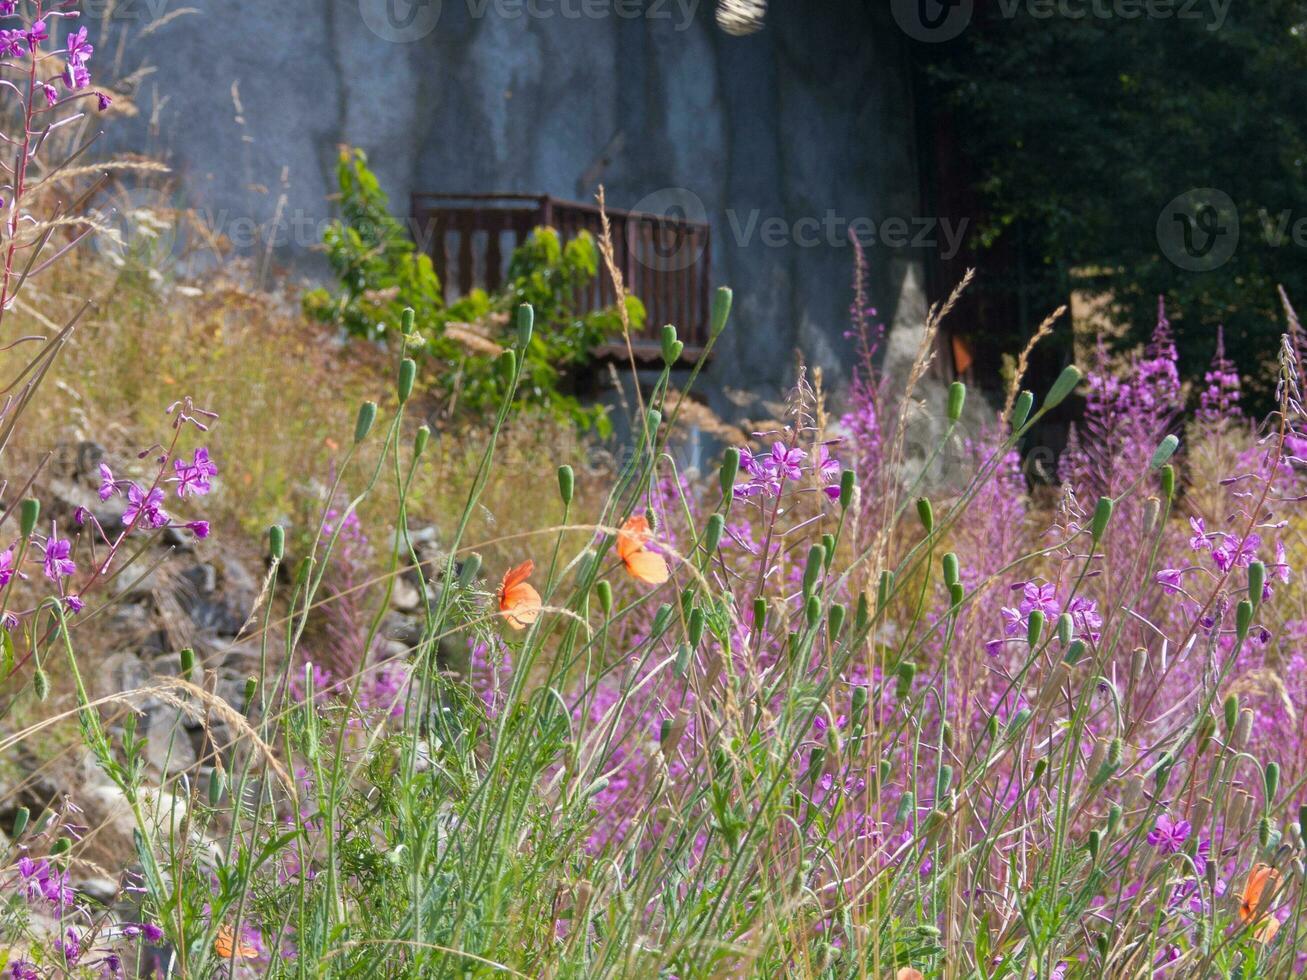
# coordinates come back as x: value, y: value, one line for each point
x: 382, y: 272
x: 1079, y: 132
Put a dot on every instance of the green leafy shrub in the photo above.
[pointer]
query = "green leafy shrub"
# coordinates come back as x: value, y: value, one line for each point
x: 381, y: 272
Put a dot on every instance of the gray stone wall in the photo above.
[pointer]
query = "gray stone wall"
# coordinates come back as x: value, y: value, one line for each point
x: 785, y: 136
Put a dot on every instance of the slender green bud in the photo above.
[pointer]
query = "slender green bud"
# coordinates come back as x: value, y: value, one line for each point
x: 566, y: 484
x: 276, y: 541
x: 827, y: 549
x: 991, y: 727
x: 1094, y: 843
x: 730, y: 469
x: 60, y: 846
x: 471, y: 568
x: 605, y: 593
x: 41, y: 683
x: 816, y: 761
x: 759, y: 613
x: 1035, y: 627
x: 884, y: 588
x: 217, y: 781
x: 951, y: 569
x: 1244, y: 730
x: 812, y: 571
x: 943, y: 781
x: 408, y: 372
x: 23, y: 815
x: 1065, y: 384
x: 835, y: 620
x: 1114, y: 815
x: 694, y: 628
x: 858, y: 702
x: 1164, y: 451
x: 662, y: 618
x: 813, y: 610
x: 683, y: 654
x: 884, y: 769
x: 847, y: 485
x: 1074, y: 652
x: 1231, y: 711
x: 1256, y: 582
x: 407, y: 321
x: 1102, y: 514
x: 1040, y: 767
x: 363, y: 423
x: 655, y: 418
x: 1168, y: 481
x: 597, y: 787
x: 187, y: 657
x: 926, y: 514
x: 712, y: 532
x: 1271, y: 777
x: 1021, y: 409
x: 507, y: 367
x: 907, y: 673
x: 29, y: 511
x: 672, y: 348
x: 1302, y: 822
x: 907, y: 807
x: 526, y: 319
x: 251, y: 686
x: 721, y: 311
x: 956, y: 593
x: 957, y: 398
x: 1243, y: 618
x: 1066, y: 631
x: 862, y: 618
x: 1264, y: 831
x: 420, y: 440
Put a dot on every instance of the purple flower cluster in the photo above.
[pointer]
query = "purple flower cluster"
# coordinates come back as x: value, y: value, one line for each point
x: 1042, y: 596
x: 75, y: 74
x: 769, y: 472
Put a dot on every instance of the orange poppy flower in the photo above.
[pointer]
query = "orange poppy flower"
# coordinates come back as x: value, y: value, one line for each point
x: 223, y: 942
x: 1250, y: 902
x: 518, y: 599
x: 908, y: 973
x: 641, y: 563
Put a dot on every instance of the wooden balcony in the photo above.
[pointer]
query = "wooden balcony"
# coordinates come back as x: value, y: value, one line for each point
x: 666, y: 262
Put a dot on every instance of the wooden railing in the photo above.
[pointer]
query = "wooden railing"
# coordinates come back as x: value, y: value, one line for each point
x: 666, y: 262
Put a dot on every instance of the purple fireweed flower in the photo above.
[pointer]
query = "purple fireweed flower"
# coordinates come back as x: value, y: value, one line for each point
x: 199, y: 528
x: 1168, y: 836
x: 1043, y: 597
x: 6, y: 566
x: 58, y: 564
x: 75, y: 602
x: 193, y: 477
x: 36, y: 35
x: 108, y: 485
x: 1169, y: 580
x: 787, y: 463
x: 76, y: 77
x: 145, y: 507
x: 7, y: 7
x: 79, y: 48
x: 1201, y: 540
x: 51, y: 94
x: 103, y: 101
x: 1233, y: 551
x: 23, y: 970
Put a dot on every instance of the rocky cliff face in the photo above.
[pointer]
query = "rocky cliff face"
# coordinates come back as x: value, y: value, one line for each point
x: 784, y: 137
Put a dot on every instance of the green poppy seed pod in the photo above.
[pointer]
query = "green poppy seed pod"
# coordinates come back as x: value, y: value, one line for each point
x: 1138, y: 661
x: 526, y: 320
x: 943, y: 781
x: 671, y: 346
x: 712, y: 532
x: 251, y: 686
x: 694, y: 628
x: 605, y: 593
x: 847, y: 485
x: 60, y: 846
x: 662, y: 618
x: 566, y: 484
x: 1243, y: 618
x: 597, y: 787
x: 470, y: 570
x: 407, y: 321
x: 816, y: 760
x: 1114, y: 815
x: 858, y: 702
x: 408, y: 372
x: 907, y: 673
x: 683, y: 654
x: 728, y: 472
x: 827, y: 549
x: 946, y: 734
x: 41, y: 684
x: 884, y: 588
x: 759, y: 613
x: 991, y: 727
x: 956, y: 593
x: 655, y: 419
x: 835, y: 620
x: 1244, y: 730
x: 1302, y: 822
x: 1115, y: 748
x: 957, y: 398
x: 363, y: 422
x: 507, y: 365
x: 812, y: 611
x: 884, y: 769
x: 1094, y: 843
x: 1271, y: 777
x: 951, y: 569
x: 29, y: 512
x: 862, y: 619
x: 1102, y: 514
x: 1152, y: 511
x: 1065, y: 384
x: 217, y: 784
x: 1168, y: 481
x: 721, y: 311
x: 1074, y: 652
x: 1256, y: 581
x: 1035, y: 627
x: 1018, y: 721
x: 1103, y: 944
x: 1231, y: 711
x: 1164, y: 451
x: 187, y: 657
x: 1066, y: 631
x: 276, y: 541
x: 926, y: 514
x: 1021, y: 409
x: 420, y: 440
x: 687, y: 601
x: 1040, y: 767
x: 23, y: 815
x: 1264, y: 832
x: 812, y: 571
x: 907, y: 807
